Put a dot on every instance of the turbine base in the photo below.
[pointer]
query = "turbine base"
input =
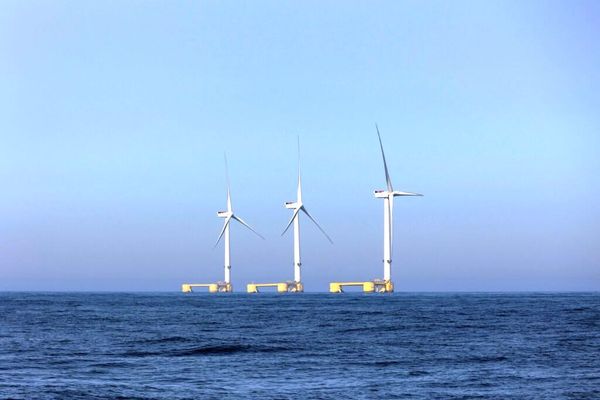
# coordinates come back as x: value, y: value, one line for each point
x: 219, y: 287
x: 282, y: 287
x: 377, y: 285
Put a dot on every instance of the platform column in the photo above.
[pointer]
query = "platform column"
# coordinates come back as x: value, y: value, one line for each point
x: 335, y: 287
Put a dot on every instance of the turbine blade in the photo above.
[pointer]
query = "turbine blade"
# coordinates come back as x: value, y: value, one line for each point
x: 387, y: 175
x: 318, y: 226
x: 407, y: 194
x: 291, y: 220
x: 299, y: 192
x: 222, y: 231
x: 238, y: 219
x: 228, y: 186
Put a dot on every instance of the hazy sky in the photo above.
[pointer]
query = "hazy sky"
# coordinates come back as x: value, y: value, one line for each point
x: 114, y: 117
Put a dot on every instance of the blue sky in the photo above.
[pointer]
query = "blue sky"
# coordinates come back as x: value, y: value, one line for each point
x: 114, y: 117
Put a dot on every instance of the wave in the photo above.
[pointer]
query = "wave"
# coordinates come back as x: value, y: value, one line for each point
x: 206, y: 350
x: 219, y: 349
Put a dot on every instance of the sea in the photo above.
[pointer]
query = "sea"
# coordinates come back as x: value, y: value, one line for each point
x: 299, y: 346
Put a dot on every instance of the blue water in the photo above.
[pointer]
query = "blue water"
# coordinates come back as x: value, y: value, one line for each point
x: 307, y: 346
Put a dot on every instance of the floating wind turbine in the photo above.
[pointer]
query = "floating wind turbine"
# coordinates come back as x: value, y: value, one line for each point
x: 298, y: 206
x: 229, y: 215
x: 388, y: 212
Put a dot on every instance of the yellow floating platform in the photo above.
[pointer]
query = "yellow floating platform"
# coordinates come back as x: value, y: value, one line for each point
x: 368, y: 286
x: 282, y: 287
x: 219, y: 287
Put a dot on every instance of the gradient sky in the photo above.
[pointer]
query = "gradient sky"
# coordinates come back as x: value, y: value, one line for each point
x: 114, y: 117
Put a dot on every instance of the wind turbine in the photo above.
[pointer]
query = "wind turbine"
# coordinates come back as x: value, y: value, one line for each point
x: 388, y: 212
x: 298, y: 206
x: 229, y: 215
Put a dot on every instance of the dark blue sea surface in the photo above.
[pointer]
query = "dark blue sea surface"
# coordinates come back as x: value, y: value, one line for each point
x: 299, y: 346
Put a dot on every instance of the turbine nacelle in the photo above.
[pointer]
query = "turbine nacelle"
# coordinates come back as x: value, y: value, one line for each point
x: 381, y: 194
x: 292, y: 205
x: 224, y: 214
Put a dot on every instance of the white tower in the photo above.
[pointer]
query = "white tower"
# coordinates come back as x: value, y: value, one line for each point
x: 229, y: 215
x: 298, y: 206
x: 388, y: 214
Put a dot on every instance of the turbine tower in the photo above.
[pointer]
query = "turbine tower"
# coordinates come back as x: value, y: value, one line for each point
x: 298, y: 206
x: 229, y: 215
x: 388, y: 213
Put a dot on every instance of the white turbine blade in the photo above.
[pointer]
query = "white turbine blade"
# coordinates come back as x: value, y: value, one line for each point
x: 318, y: 226
x: 299, y: 192
x: 291, y: 220
x: 229, y: 208
x: 387, y: 175
x: 407, y: 194
x: 228, y: 186
x: 238, y: 219
x: 222, y: 230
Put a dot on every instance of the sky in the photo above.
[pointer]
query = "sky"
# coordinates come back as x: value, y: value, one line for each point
x: 115, y: 117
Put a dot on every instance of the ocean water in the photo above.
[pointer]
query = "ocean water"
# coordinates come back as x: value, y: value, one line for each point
x: 299, y: 346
